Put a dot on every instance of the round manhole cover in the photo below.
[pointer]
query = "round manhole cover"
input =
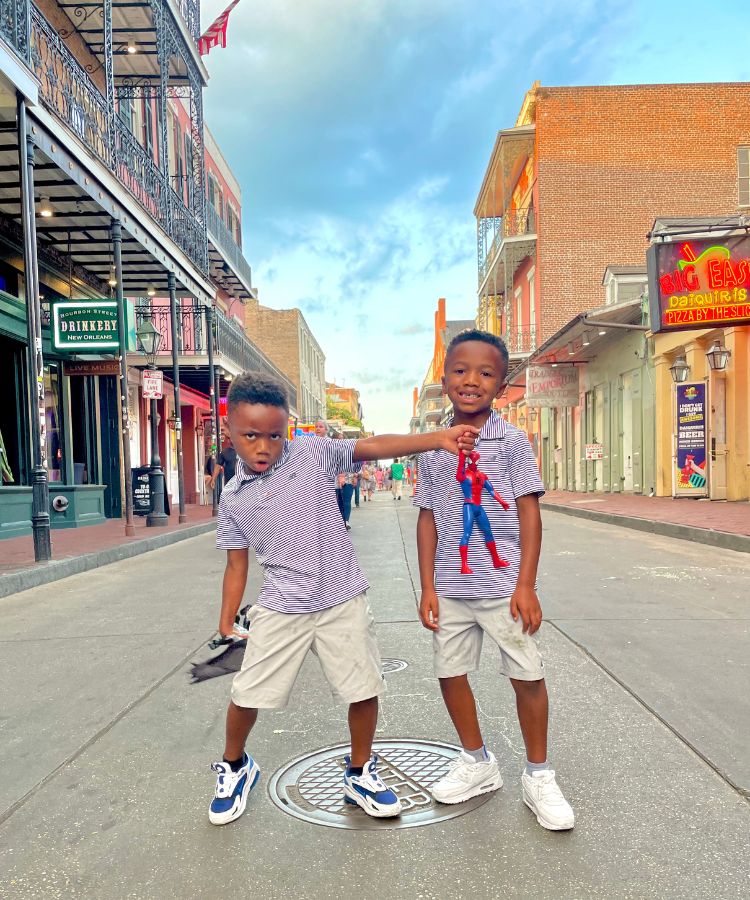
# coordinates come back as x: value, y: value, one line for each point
x: 389, y: 666
x: 310, y: 787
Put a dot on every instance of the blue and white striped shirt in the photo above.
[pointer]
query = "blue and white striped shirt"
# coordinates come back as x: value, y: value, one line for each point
x: 290, y: 517
x: 507, y: 459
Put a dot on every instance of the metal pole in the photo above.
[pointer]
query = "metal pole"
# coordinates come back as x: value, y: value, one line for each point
x: 124, y: 406
x: 34, y: 360
x: 176, y: 385
x: 212, y: 396
x: 157, y: 516
x: 219, y: 439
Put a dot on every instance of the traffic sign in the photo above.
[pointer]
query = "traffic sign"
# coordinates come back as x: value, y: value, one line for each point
x: 153, y: 384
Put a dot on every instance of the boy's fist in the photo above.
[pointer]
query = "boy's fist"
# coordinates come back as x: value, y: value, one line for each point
x: 459, y: 438
x: 429, y: 610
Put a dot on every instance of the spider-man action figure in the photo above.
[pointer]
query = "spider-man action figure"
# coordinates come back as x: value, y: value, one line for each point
x: 473, y: 482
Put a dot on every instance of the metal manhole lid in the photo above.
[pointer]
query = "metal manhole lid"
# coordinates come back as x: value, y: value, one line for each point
x: 310, y: 787
x: 391, y: 665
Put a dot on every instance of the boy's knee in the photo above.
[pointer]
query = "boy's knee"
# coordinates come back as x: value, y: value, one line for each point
x: 528, y: 687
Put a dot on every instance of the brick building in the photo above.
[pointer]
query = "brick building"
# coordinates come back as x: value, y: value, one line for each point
x: 575, y: 184
x: 285, y: 337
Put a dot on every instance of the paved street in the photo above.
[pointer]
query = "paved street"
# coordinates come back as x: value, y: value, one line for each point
x: 106, y: 745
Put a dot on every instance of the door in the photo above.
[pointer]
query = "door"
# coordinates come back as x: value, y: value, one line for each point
x: 570, y: 450
x: 110, y: 445
x: 627, y: 432
x: 717, y: 466
x: 636, y: 441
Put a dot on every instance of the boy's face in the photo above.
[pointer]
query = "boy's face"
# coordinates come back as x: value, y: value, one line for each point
x: 258, y: 432
x: 475, y: 375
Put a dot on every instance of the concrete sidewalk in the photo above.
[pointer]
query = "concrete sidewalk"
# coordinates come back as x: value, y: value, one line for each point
x: 105, y: 744
x: 77, y: 550
x: 718, y: 523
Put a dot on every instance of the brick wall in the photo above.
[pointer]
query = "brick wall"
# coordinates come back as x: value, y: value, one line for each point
x: 610, y: 160
x: 276, y: 332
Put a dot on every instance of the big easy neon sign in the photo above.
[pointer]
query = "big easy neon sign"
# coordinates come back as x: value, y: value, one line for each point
x: 699, y: 283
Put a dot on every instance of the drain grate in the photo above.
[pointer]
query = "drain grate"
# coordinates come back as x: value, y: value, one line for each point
x: 310, y: 787
x: 391, y: 665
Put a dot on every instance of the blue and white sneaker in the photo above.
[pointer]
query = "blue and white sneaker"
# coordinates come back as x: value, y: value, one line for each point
x: 369, y: 791
x: 232, y: 789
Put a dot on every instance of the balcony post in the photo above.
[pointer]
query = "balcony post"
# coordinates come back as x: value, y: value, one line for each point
x: 109, y: 76
x: 40, y: 523
x: 116, y: 232
x: 176, y: 386
x: 212, y: 396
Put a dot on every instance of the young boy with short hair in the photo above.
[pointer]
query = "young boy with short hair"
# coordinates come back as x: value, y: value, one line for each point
x: 282, y: 503
x: 481, y: 580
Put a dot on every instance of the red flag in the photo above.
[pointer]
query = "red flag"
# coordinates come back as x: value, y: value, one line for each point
x: 216, y: 34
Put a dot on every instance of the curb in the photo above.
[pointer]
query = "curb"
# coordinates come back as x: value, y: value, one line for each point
x: 44, y: 573
x: 724, y: 539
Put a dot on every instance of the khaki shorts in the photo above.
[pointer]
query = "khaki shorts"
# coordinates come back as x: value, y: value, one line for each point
x: 342, y: 637
x: 457, y: 644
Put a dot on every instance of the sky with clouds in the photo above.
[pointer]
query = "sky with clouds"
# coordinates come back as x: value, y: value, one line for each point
x: 360, y: 130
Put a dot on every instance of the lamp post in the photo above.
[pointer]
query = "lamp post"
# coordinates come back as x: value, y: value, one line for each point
x: 149, y: 341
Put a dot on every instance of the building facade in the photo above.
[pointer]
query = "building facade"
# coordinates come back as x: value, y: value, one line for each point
x: 572, y: 189
x: 103, y: 199
x: 286, y: 338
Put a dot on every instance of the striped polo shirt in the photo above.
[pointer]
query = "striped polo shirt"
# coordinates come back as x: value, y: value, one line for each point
x: 289, y: 516
x: 507, y: 459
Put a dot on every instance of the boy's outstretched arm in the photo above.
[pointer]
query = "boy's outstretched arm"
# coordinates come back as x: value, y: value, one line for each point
x: 524, y: 600
x: 426, y: 549
x: 385, y: 446
x: 233, y: 589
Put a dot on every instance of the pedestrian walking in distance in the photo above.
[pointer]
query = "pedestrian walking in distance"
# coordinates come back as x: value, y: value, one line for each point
x: 282, y: 503
x: 500, y: 602
x: 397, y: 479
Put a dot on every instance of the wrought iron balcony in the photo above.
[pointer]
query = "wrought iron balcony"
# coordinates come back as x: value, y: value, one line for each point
x: 15, y: 24
x: 521, y: 342
x: 222, y: 238
x: 68, y: 91
x: 231, y: 344
x: 191, y: 13
x: 515, y: 223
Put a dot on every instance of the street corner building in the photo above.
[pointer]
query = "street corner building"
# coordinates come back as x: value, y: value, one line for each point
x: 117, y: 209
x: 575, y: 193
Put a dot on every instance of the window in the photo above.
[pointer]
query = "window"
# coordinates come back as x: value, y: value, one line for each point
x: 189, y: 170
x: 518, y: 294
x: 148, y: 127
x: 126, y: 112
x: 532, y: 308
x: 743, y: 175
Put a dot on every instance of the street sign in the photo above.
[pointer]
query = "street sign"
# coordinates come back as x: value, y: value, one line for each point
x: 153, y: 384
x: 85, y: 326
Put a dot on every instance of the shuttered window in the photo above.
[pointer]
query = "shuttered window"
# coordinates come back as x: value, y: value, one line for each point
x: 743, y: 175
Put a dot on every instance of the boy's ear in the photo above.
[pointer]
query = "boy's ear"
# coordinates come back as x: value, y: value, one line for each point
x: 501, y: 390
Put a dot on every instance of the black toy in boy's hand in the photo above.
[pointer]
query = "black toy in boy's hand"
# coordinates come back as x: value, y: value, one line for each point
x: 240, y: 631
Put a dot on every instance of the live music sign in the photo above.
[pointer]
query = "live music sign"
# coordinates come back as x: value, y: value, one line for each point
x: 699, y: 283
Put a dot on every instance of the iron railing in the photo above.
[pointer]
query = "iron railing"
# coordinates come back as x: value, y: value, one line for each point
x: 191, y: 13
x: 67, y: 90
x: 515, y: 223
x: 521, y: 341
x: 230, y: 341
x: 223, y: 240
x: 15, y: 24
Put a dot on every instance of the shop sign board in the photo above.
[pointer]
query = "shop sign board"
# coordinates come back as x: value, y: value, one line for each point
x: 552, y: 386
x: 93, y: 367
x: 300, y: 429
x: 699, y: 283
x: 153, y: 384
x: 690, y: 457
x: 85, y: 326
x: 594, y: 451
x: 141, y: 491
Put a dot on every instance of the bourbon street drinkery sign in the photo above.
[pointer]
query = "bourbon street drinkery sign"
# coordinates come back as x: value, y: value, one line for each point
x: 699, y: 284
x: 85, y: 326
x: 690, y: 458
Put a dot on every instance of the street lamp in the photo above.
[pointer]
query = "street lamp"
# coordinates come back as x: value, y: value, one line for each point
x: 718, y: 356
x: 522, y: 420
x: 680, y: 369
x: 149, y: 342
x: 533, y: 415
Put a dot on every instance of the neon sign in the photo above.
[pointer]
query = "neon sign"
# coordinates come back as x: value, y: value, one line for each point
x: 699, y: 284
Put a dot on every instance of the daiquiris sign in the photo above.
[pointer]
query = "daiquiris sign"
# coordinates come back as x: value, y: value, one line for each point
x: 699, y: 284
x: 85, y: 326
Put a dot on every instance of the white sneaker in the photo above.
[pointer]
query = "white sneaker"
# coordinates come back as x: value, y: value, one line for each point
x: 545, y: 799
x: 467, y: 778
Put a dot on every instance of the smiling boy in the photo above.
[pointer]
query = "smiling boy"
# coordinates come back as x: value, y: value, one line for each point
x: 496, y: 596
x: 282, y: 503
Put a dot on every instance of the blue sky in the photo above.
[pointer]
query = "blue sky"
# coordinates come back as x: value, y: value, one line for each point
x: 360, y: 131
